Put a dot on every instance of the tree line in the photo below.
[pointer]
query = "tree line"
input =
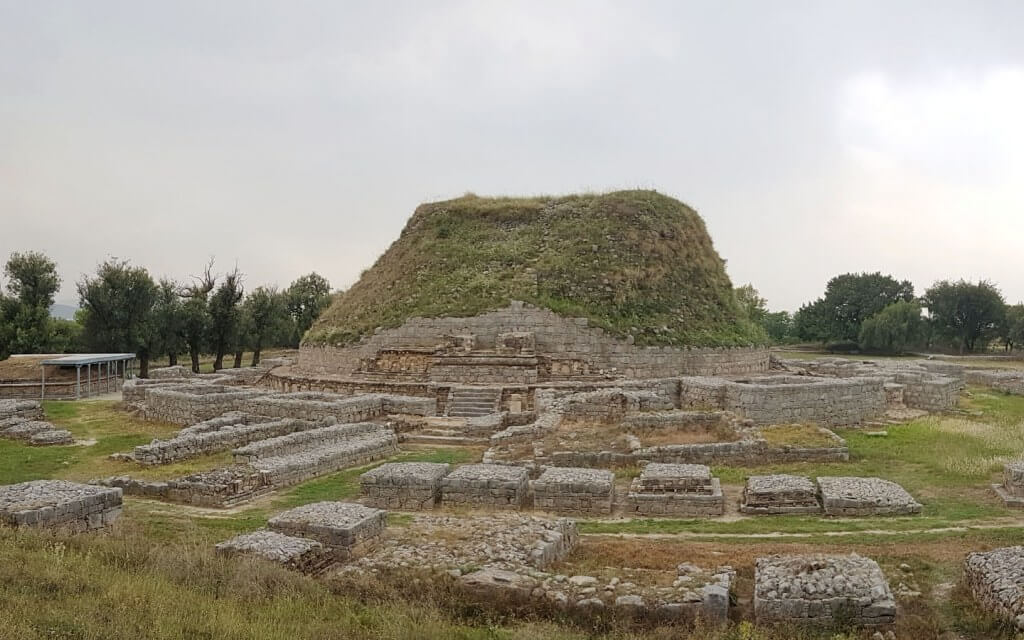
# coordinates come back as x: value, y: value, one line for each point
x: 878, y: 313
x: 122, y: 308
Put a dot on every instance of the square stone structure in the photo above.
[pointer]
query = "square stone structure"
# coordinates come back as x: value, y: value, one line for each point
x: 574, y: 491
x: 779, y: 494
x: 493, y: 486
x: 685, y: 490
x: 408, y: 486
x: 996, y: 580
x: 855, y: 496
x: 58, y: 503
x: 303, y: 554
x: 344, y: 527
x: 1012, y: 489
x: 821, y: 589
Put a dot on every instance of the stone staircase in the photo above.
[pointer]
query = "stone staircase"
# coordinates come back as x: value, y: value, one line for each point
x: 469, y: 402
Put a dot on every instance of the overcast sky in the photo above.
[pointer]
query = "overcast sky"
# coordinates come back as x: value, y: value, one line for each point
x: 815, y: 138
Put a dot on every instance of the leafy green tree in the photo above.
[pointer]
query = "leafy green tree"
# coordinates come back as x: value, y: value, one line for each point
x: 1013, y: 326
x: 32, y: 281
x: 751, y: 303
x: 117, y: 311
x: 849, y: 300
x: 306, y: 298
x: 66, y: 336
x: 224, y: 315
x: 965, y: 314
x: 195, y: 313
x: 779, y: 326
x: 169, y: 321
x: 267, y: 318
x: 894, y: 329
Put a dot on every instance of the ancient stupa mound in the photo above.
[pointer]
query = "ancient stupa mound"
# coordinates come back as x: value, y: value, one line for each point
x: 636, y: 263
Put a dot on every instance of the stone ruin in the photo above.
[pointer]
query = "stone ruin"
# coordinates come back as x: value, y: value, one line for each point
x: 343, y: 528
x: 1012, y: 489
x: 574, y: 491
x: 682, y: 490
x: 774, y: 494
x: 1006, y: 380
x: 822, y: 589
x: 301, y: 554
x: 23, y: 420
x: 59, y: 504
x: 855, y: 496
x: 486, y: 486
x: 996, y: 580
x: 409, y: 486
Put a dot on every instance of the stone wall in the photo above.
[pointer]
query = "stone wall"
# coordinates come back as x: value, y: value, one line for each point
x: 229, y: 433
x: 219, y: 488
x: 58, y: 503
x: 555, y: 337
x: 996, y: 580
x: 769, y: 400
x: 191, y: 403
x: 1007, y: 381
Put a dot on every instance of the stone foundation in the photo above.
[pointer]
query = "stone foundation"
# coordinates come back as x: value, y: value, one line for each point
x: 213, y: 436
x: 301, y: 554
x: 996, y: 580
x: 486, y: 485
x: 675, y: 490
x: 822, y: 590
x: 57, y: 503
x: 342, y: 527
x: 407, y: 486
x: 574, y: 491
x: 779, y: 494
x: 1012, y: 489
x: 855, y: 496
x: 219, y: 488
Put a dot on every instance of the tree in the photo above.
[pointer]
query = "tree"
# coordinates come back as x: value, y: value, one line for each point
x: 266, y: 315
x: 306, y: 298
x: 169, y: 321
x: 117, y: 310
x: 849, y: 300
x: 751, y: 303
x: 32, y: 281
x: 779, y: 326
x: 967, y: 315
x: 224, y: 314
x: 65, y: 336
x: 195, y: 313
x: 894, y: 329
x: 811, y: 322
x: 1013, y: 326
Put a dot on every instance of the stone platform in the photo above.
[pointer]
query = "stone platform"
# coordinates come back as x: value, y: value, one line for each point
x: 486, y: 485
x: 822, y: 590
x: 58, y: 503
x: 574, y: 491
x: 1012, y: 489
x: 856, y: 496
x: 996, y: 580
x: 342, y: 527
x: 407, y: 486
x: 774, y: 494
x: 302, y: 554
x: 681, y: 490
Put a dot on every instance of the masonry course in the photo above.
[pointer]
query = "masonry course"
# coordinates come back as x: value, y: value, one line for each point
x: 61, y: 504
x: 404, y: 485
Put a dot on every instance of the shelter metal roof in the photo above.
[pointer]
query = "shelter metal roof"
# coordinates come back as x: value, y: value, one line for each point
x: 79, y: 359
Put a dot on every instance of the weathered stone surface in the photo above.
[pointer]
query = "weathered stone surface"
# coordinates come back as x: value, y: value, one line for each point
x: 574, y: 491
x: 679, y: 490
x: 404, y: 485
x: 821, y: 589
x: 856, y: 496
x: 780, y: 494
x: 58, y: 503
x: 340, y: 526
x: 486, y: 485
x: 302, y: 554
x: 51, y: 437
x: 996, y: 580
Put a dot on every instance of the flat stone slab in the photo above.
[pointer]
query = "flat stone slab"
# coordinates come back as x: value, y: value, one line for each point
x: 296, y: 553
x: 705, y: 503
x: 404, y: 485
x: 340, y: 525
x: 51, y: 437
x: 780, y: 494
x: 573, y: 490
x: 1010, y: 500
x: 59, y: 503
x: 996, y: 580
x: 819, y: 589
x: 659, y: 476
x: 856, y: 496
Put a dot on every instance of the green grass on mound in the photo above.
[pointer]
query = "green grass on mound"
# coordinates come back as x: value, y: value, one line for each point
x: 633, y: 262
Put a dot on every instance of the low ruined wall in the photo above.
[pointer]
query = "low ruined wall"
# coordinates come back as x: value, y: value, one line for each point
x: 301, y: 440
x: 560, y: 338
x: 941, y: 394
x: 1007, y: 381
x: 188, y: 404
x: 829, y: 402
x: 743, y: 452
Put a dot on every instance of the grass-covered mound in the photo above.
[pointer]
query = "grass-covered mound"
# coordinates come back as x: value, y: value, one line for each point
x: 633, y: 262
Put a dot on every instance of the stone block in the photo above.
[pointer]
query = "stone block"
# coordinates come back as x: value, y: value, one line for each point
x: 404, y: 485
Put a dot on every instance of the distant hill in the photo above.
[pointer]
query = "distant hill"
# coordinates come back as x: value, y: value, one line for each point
x: 65, y: 311
x: 637, y: 263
